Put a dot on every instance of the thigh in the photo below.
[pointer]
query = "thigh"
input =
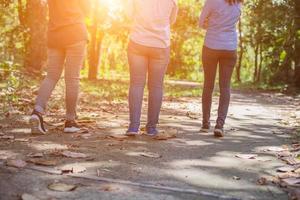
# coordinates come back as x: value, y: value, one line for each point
x: 228, y: 61
x: 75, y: 55
x: 56, y: 59
x: 210, y: 61
x: 138, y: 65
x: 158, y: 64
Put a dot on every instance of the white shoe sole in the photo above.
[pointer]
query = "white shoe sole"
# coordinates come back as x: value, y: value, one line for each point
x: 71, y: 130
x: 131, y: 133
x: 204, y: 130
x: 36, y: 127
x: 218, y: 133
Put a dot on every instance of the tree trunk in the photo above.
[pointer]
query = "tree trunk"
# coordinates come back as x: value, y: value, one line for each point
x: 36, y: 22
x: 95, y: 46
x: 260, y: 64
x: 241, y: 53
x: 297, y: 45
x: 256, y: 62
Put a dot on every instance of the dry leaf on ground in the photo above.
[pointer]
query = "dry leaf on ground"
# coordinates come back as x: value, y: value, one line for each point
x: 291, y: 160
x: 167, y: 134
x: 285, y: 169
x: 28, y: 197
x: 7, y: 137
x: 275, y: 149
x: 263, y: 159
x: 291, y: 181
x: 246, y: 156
x: 287, y: 175
x: 85, y: 136
x: 110, y: 188
x: 73, y: 169
x: 117, y: 137
x: 43, y: 162
x: 284, y: 154
x: 164, y: 136
x: 71, y: 154
x: 22, y: 140
x: 35, y: 155
x: 191, y: 116
x: 150, y: 155
x: 262, y: 181
x: 62, y: 187
x: 16, y: 163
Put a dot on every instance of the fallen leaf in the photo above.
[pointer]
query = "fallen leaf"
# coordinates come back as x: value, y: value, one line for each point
x: 118, y: 137
x: 43, y: 162
x: 87, y: 121
x: 112, y: 144
x: 297, y: 170
x: 150, y: 155
x: 291, y: 181
x: 75, y: 168
x: 109, y: 188
x: 285, y: 169
x: 85, y: 136
x: 21, y: 140
x: 294, y: 194
x: 291, y: 160
x: 287, y: 175
x: 28, y: 197
x: 246, y: 156
x: 16, y: 163
x: 191, y: 116
x: 167, y: 134
x: 71, y: 154
x: 62, y: 187
x: 7, y: 137
x: 262, y: 181
x: 262, y: 159
x: 275, y: 149
x: 284, y: 154
x: 35, y: 155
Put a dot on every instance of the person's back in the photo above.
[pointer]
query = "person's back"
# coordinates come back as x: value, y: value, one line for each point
x: 67, y: 22
x: 152, y: 21
x: 221, y: 24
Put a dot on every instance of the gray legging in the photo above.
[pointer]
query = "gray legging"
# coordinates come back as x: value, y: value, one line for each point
x: 211, y: 59
x: 71, y: 58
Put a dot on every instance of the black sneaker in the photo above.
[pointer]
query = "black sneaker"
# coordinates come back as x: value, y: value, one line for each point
x: 219, y: 131
x: 71, y: 127
x: 205, y: 128
x: 37, y: 124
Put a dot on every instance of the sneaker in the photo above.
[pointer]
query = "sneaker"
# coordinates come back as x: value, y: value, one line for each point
x: 152, y: 131
x: 219, y: 132
x: 71, y: 127
x: 132, y: 132
x: 37, y: 124
x: 205, y: 128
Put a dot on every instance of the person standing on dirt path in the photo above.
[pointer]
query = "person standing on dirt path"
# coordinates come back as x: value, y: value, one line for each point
x: 219, y: 18
x: 67, y: 41
x: 148, y: 53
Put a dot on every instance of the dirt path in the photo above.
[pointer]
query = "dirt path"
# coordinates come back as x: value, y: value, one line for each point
x: 190, y: 166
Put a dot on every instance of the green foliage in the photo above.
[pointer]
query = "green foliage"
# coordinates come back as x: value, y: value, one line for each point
x: 268, y: 32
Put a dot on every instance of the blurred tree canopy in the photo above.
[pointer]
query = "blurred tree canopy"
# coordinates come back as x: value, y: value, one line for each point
x: 269, y: 34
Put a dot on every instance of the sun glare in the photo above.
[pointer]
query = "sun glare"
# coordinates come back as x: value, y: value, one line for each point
x: 112, y: 5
